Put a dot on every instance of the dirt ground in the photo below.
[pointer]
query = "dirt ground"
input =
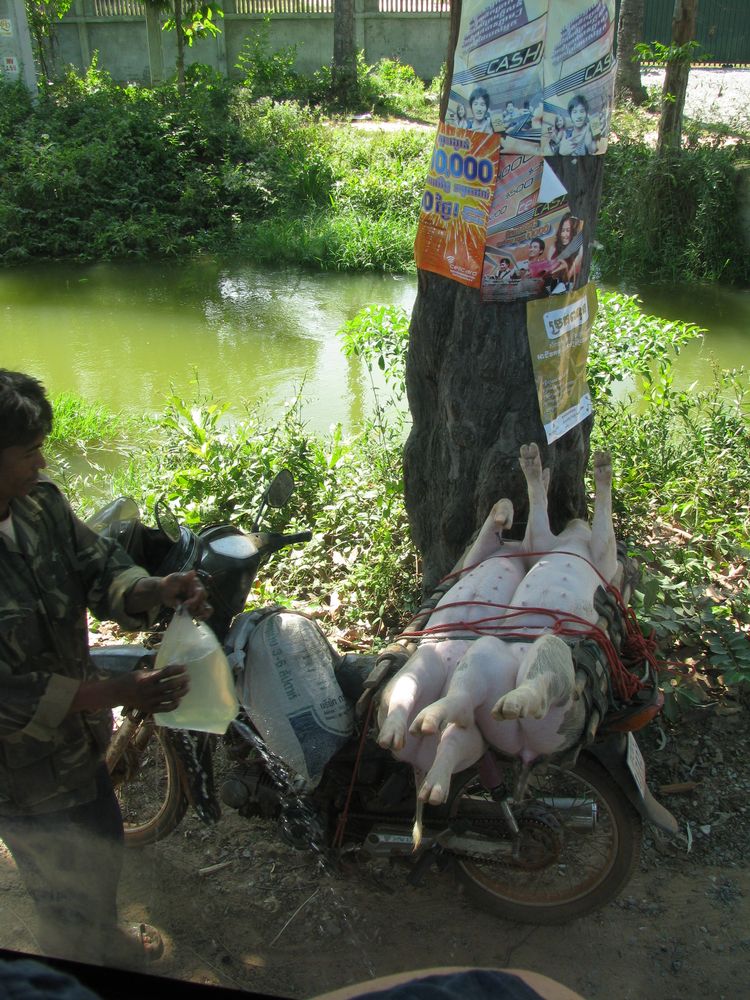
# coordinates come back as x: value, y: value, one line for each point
x: 241, y: 909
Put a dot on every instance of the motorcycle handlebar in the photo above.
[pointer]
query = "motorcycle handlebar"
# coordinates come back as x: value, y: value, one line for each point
x: 300, y: 536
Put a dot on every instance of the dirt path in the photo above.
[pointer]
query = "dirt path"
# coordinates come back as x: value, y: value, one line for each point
x: 241, y: 909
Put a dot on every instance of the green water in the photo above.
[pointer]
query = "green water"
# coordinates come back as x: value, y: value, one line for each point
x: 125, y: 334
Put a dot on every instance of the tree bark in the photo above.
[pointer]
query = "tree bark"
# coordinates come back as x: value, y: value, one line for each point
x: 473, y: 402
x: 344, y: 69
x: 180, y: 40
x: 630, y: 28
x: 676, y: 78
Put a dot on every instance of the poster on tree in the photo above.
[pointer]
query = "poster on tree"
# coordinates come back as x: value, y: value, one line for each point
x: 579, y: 77
x: 559, y: 332
x: 455, y: 205
x: 534, y: 243
x: 538, y: 73
x: 497, y: 81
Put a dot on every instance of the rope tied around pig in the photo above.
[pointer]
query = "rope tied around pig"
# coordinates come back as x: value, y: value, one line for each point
x: 623, y: 665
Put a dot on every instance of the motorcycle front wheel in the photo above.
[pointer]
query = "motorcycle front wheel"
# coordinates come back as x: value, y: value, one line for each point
x: 146, y: 779
x: 579, y: 843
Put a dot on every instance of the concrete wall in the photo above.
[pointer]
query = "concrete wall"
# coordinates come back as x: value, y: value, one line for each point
x: 131, y: 51
x: 16, y: 60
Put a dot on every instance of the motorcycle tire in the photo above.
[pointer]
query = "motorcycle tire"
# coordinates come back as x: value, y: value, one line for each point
x: 570, y: 860
x: 148, y: 787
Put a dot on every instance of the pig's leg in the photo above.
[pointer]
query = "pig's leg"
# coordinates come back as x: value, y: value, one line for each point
x: 483, y: 663
x: 458, y: 749
x: 603, y: 542
x: 421, y: 679
x: 546, y: 679
x: 489, y: 539
x: 539, y: 537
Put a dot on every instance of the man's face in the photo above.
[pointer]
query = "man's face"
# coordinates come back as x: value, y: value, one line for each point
x: 578, y: 116
x: 20, y: 466
x: 479, y: 108
x: 534, y: 251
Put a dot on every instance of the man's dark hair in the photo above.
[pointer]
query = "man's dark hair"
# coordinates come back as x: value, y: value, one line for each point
x: 25, y: 411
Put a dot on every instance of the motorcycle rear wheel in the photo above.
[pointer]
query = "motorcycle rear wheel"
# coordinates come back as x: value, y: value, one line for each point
x: 147, y: 785
x: 563, y: 869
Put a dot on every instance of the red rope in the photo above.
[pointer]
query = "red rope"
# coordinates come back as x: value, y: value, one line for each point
x: 636, y: 647
x: 338, y: 838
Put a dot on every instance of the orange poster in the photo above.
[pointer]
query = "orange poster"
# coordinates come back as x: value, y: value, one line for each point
x: 456, y: 203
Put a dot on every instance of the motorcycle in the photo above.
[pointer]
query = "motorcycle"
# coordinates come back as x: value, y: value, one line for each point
x: 544, y: 843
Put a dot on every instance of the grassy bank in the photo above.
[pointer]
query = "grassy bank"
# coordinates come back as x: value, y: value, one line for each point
x: 271, y: 170
x: 682, y: 479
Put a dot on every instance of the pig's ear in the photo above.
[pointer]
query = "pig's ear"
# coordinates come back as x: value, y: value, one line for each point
x: 545, y: 479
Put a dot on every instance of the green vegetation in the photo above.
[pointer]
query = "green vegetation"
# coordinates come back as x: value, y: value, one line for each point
x: 671, y: 217
x: 682, y: 479
x: 272, y: 169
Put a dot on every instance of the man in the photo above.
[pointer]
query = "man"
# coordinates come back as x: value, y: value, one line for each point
x: 58, y: 813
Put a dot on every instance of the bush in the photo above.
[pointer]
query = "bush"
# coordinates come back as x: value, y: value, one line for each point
x: 668, y: 218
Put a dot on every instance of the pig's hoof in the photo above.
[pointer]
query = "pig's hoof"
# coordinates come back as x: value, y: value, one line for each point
x: 531, y: 461
x: 522, y: 703
x: 392, y: 735
x: 437, y: 716
x: 502, y: 515
x: 603, y: 467
x: 434, y: 790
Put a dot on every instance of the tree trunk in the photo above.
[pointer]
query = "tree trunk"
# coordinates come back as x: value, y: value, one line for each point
x: 344, y: 70
x: 676, y: 78
x: 628, y: 84
x: 473, y: 401
x: 180, y: 39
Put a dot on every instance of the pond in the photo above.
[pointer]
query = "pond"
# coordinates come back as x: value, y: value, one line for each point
x: 127, y: 334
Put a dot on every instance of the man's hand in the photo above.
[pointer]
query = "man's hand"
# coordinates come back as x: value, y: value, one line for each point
x: 154, y: 690
x: 187, y: 590
x: 146, y: 690
x: 172, y: 590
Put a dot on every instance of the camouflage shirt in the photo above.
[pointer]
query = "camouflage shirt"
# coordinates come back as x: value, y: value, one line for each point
x: 56, y: 569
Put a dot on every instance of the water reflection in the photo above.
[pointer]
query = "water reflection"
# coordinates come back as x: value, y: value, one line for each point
x: 128, y: 333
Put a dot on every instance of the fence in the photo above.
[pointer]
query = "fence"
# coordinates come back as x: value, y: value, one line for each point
x: 131, y: 45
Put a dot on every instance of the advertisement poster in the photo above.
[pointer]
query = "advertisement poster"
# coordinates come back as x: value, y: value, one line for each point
x: 497, y: 83
x: 456, y: 204
x: 559, y: 331
x: 534, y: 244
x: 538, y: 73
x: 579, y: 77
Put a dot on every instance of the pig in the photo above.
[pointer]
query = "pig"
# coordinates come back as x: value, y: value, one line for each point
x: 456, y: 696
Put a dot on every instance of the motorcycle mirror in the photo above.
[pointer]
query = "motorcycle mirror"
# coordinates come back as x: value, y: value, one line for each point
x: 166, y: 521
x: 280, y: 489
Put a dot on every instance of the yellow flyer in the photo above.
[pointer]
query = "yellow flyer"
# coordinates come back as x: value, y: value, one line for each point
x: 559, y: 330
x: 456, y: 203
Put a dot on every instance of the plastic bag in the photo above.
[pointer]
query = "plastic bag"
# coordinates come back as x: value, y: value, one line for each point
x: 211, y: 703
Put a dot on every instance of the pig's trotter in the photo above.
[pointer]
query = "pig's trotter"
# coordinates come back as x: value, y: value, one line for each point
x: 392, y: 734
x: 502, y: 515
x: 531, y: 461
x: 441, y: 713
x: 548, y: 680
x: 603, y: 469
x: 457, y: 750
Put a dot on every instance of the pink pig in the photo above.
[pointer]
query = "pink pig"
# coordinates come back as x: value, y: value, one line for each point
x: 456, y: 695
